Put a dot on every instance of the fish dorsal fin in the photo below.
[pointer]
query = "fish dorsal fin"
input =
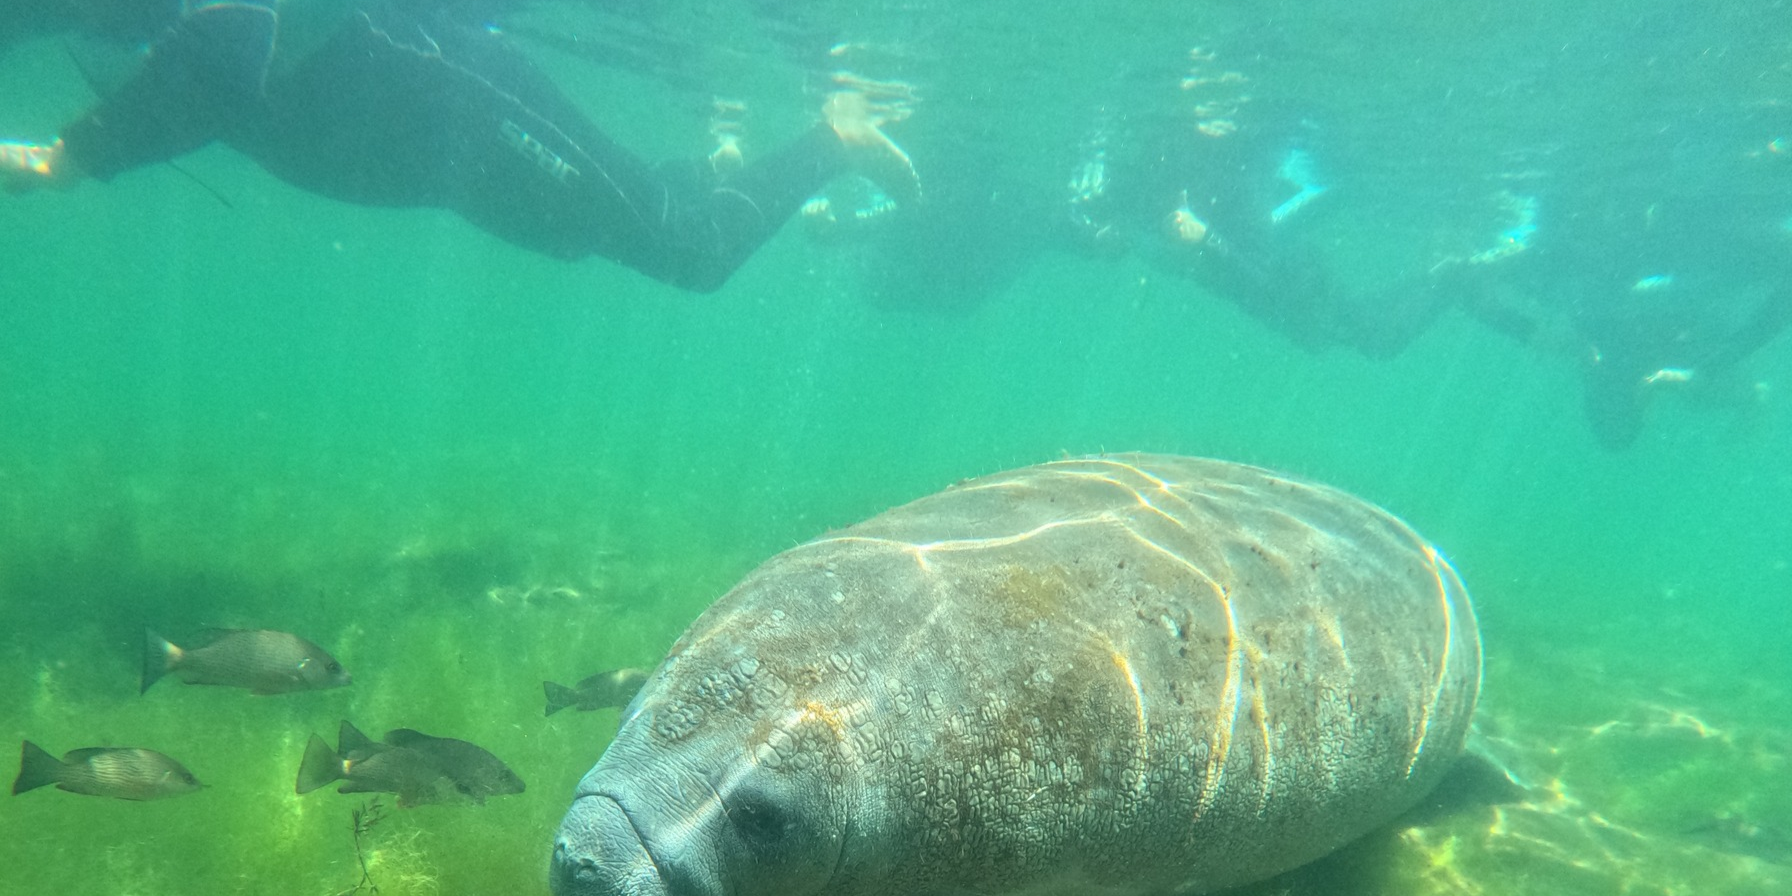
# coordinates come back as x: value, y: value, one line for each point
x: 349, y: 739
x: 212, y: 634
x: 76, y: 757
x: 408, y: 737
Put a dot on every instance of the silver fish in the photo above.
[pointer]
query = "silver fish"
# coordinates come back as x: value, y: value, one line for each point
x: 265, y: 662
x: 125, y: 773
x: 614, y: 688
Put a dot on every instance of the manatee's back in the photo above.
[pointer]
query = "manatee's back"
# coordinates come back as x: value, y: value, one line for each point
x: 1134, y: 674
x: 1124, y: 675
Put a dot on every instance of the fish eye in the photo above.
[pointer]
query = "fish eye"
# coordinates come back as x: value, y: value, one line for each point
x: 758, y: 818
x: 334, y: 668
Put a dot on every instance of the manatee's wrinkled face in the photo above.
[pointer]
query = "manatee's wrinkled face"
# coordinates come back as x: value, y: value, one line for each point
x: 723, y: 781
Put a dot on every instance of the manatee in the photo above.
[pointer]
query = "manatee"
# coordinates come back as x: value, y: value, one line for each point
x: 1123, y: 675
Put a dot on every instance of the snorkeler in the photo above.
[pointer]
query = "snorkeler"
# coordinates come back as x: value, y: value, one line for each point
x: 1228, y: 192
x: 1649, y: 294
x: 400, y: 104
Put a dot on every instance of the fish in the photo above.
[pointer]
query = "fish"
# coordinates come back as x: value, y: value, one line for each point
x: 263, y: 661
x: 420, y: 769
x: 476, y: 772
x: 125, y: 773
x: 614, y: 688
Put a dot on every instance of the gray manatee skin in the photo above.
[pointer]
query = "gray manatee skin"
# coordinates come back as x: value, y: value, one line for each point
x: 1124, y: 675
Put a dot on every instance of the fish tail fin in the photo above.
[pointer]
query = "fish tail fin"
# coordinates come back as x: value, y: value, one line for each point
x: 559, y: 696
x: 159, y: 655
x: 36, y: 769
x: 320, y: 766
x: 349, y: 739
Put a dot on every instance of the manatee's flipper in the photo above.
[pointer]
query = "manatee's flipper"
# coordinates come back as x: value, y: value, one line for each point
x: 159, y: 656
x: 319, y: 767
x: 559, y: 697
x: 1475, y: 780
x: 36, y: 769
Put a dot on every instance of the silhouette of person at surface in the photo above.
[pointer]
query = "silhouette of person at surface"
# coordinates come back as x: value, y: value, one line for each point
x: 1650, y: 294
x: 1659, y: 267
x: 1233, y: 193
x: 401, y: 103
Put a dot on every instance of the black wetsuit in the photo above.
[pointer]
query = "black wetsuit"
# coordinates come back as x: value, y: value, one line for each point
x: 409, y: 103
x: 1685, y: 280
x: 1233, y: 183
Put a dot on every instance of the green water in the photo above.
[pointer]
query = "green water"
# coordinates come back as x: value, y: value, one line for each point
x: 465, y: 469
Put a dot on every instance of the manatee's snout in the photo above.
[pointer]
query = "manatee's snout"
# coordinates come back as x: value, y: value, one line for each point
x: 599, y: 853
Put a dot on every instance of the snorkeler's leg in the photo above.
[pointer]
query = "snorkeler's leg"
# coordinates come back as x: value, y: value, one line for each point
x: 402, y: 109
x: 720, y: 223
x: 749, y: 206
x: 858, y: 112
x: 1381, y: 323
x: 199, y: 81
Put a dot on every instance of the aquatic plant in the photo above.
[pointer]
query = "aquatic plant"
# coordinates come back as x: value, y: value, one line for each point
x: 362, y: 819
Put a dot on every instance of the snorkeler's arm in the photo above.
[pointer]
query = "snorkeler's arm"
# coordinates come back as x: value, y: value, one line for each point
x: 28, y: 166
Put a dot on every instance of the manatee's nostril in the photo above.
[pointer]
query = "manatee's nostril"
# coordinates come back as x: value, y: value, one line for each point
x: 572, y: 875
x: 598, y: 851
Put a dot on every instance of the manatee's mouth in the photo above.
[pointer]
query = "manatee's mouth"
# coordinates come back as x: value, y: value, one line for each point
x: 600, y: 852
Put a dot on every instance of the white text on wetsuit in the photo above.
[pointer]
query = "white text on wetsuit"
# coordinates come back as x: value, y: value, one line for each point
x: 532, y: 149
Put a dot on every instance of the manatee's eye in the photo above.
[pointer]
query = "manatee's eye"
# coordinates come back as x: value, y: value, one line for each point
x: 758, y: 818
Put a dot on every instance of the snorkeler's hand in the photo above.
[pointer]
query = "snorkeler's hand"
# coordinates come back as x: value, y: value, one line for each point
x: 857, y: 112
x: 27, y: 166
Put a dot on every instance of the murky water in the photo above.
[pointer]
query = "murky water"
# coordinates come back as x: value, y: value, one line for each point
x: 465, y: 469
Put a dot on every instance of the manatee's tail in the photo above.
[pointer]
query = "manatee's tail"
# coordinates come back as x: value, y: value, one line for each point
x: 320, y: 766
x: 559, y: 696
x: 159, y: 656
x: 36, y: 769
